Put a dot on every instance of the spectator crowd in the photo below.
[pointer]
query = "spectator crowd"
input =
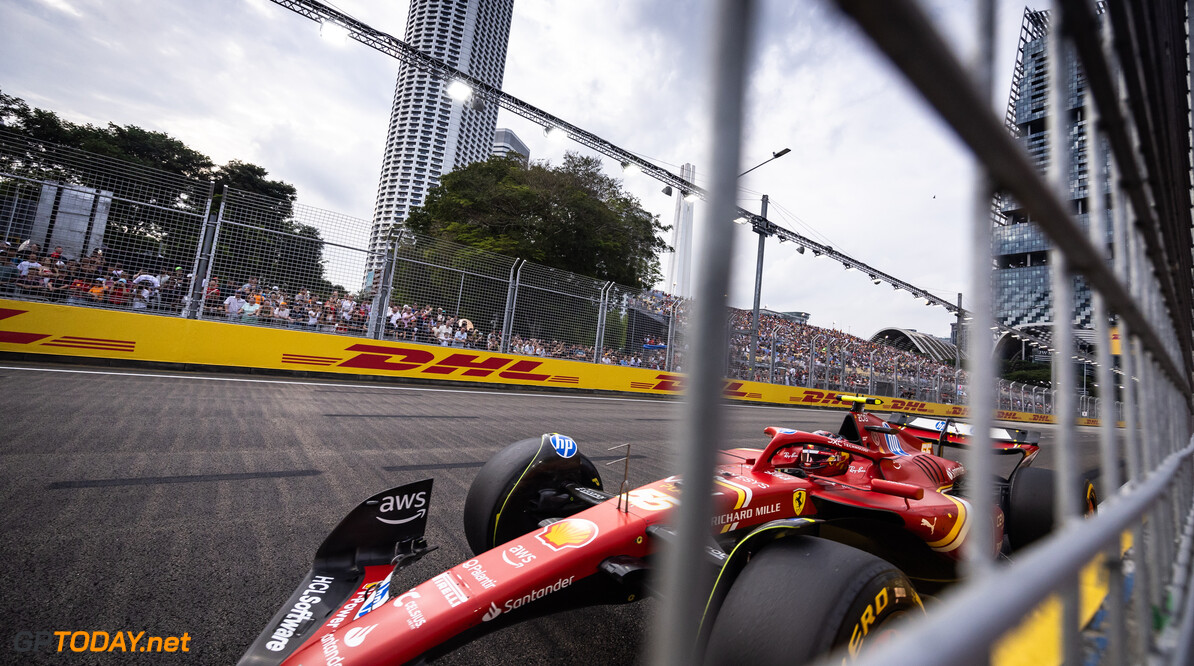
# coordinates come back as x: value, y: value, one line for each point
x: 838, y: 360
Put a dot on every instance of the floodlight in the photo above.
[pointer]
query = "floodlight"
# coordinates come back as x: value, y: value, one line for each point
x: 459, y: 90
x: 333, y: 32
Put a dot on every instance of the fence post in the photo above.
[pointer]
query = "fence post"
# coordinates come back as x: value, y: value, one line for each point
x: 669, y: 355
x: 599, y: 342
x: 771, y: 366
x: 201, y: 271
x: 385, y: 288
x: 511, y: 299
x: 812, y: 362
x: 202, y: 249
x: 841, y: 378
x: 729, y: 365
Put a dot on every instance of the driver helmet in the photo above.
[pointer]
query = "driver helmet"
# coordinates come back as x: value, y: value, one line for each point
x: 823, y: 461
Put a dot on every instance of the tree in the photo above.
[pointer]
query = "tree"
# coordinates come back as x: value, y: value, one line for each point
x: 572, y: 217
x: 156, y: 219
x: 1027, y: 372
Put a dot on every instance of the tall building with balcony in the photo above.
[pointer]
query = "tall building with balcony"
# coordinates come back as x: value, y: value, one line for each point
x: 1023, y: 292
x: 429, y: 133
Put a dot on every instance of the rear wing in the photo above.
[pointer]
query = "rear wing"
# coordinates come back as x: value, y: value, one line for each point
x: 384, y: 530
x: 1009, y: 435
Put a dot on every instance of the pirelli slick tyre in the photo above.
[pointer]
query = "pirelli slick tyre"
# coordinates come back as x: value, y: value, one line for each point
x: 523, y: 484
x: 802, y: 597
x: 1030, y: 505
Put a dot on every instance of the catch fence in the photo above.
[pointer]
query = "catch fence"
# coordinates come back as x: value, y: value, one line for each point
x: 184, y: 249
x: 68, y: 213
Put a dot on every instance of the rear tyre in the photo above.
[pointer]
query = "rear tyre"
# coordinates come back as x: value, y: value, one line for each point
x: 521, y: 485
x: 1030, y: 514
x: 801, y: 597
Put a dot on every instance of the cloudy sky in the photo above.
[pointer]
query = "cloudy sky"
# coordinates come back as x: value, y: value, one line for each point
x: 871, y: 171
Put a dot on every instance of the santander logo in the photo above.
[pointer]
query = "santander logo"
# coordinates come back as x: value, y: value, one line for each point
x: 492, y: 613
x: 356, y: 635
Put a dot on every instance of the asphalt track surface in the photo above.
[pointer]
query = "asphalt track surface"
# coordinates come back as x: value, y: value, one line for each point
x: 175, y: 502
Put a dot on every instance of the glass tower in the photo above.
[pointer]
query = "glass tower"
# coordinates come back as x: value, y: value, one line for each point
x: 1022, y: 283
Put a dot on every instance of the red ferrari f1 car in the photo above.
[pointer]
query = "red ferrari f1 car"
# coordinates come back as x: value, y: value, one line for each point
x: 851, y: 527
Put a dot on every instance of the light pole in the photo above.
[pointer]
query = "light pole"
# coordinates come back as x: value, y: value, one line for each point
x: 754, y: 322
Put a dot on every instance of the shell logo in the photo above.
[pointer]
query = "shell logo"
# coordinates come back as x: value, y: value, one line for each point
x: 570, y: 533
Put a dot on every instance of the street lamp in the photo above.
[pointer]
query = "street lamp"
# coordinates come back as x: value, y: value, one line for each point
x: 774, y: 156
x: 754, y: 322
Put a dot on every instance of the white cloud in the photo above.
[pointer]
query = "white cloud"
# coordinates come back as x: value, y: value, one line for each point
x: 62, y: 6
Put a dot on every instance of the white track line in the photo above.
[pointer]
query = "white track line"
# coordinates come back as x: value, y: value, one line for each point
x: 380, y: 386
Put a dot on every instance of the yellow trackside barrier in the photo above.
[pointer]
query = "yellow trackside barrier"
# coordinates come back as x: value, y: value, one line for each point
x: 39, y: 328
x: 42, y: 328
x: 1036, y: 641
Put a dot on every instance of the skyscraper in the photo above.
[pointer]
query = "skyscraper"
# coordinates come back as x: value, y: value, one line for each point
x: 429, y: 133
x: 1023, y: 296
x: 506, y: 143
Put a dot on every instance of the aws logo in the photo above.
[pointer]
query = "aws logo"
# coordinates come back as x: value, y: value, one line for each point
x: 415, y: 504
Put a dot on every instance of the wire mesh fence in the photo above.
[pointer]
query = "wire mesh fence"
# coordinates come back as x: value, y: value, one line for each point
x: 85, y: 229
x: 275, y: 262
x: 272, y: 262
x: 1149, y: 607
x: 435, y: 281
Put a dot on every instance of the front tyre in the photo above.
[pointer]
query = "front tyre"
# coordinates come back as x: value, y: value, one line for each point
x: 523, y: 484
x: 801, y: 597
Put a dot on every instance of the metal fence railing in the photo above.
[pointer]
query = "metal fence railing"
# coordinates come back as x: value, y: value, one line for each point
x: 1138, y: 102
x: 272, y: 262
x: 300, y: 267
x: 1131, y: 107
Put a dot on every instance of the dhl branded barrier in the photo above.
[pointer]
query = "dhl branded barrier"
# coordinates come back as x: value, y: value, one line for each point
x: 41, y: 328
